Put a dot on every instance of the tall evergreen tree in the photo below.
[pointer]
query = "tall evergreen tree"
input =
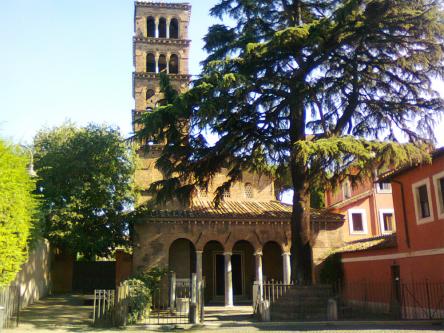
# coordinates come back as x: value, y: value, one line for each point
x: 324, y: 89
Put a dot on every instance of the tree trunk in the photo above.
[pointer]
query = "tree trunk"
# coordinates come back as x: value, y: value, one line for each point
x: 301, y: 270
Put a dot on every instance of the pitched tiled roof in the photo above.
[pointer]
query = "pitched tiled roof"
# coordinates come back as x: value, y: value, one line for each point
x: 374, y: 243
x: 353, y: 199
x: 273, y: 210
x: 388, y: 176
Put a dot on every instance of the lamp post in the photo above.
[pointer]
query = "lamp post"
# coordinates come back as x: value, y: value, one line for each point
x: 31, y: 170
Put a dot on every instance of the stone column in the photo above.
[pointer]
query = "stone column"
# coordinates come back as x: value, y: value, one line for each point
x: 287, y: 267
x: 259, y: 277
x: 156, y: 56
x: 228, y: 280
x: 168, y: 20
x: 156, y: 33
x: 168, y: 55
x: 199, y: 265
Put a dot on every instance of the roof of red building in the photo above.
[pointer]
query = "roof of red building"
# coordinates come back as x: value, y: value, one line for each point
x: 388, y: 176
x: 373, y: 243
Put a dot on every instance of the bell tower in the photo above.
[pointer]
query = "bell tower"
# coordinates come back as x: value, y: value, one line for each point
x: 160, y: 44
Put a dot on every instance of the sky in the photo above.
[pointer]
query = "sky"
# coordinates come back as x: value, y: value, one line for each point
x: 72, y: 60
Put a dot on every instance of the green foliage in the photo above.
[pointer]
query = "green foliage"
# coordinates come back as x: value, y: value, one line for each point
x: 18, y: 207
x: 152, y: 278
x: 139, y: 300
x: 86, y: 178
x: 332, y: 271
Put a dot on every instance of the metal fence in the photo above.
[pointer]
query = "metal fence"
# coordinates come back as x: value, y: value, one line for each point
x: 9, y: 306
x: 400, y: 300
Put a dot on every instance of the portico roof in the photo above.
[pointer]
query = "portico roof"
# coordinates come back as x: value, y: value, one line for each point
x: 267, y: 210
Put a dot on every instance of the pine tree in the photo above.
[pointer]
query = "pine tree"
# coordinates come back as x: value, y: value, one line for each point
x: 325, y: 89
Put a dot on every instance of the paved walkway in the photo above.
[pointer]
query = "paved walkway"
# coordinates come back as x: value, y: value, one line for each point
x: 70, y: 314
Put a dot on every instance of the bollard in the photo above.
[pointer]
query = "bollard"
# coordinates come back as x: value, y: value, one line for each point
x: 332, y: 309
x: 264, y: 311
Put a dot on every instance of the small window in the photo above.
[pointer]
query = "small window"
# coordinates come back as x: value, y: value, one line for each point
x: 226, y: 194
x: 162, y: 27
x: 149, y: 94
x: 422, y: 201
x: 387, y: 221
x: 346, y: 189
x: 150, y: 63
x: 438, y: 181
x: 151, y: 27
x: 149, y: 109
x: 248, y: 190
x: 174, y: 29
x: 174, y: 64
x: 384, y: 187
x: 162, y: 63
x: 357, y: 221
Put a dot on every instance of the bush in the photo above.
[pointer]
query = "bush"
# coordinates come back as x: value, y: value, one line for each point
x: 139, y: 300
x: 18, y: 208
x: 332, y: 271
x: 152, y: 277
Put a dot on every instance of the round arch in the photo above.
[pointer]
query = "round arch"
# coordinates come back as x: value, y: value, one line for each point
x: 243, y: 269
x: 212, y: 270
x: 151, y: 26
x: 162, y: 27
x: 173, y: 65
x: 150, y: 63
x: 272, y: 266
x: 162, y: 63
x: 182, y: 258
x: 174, y: 28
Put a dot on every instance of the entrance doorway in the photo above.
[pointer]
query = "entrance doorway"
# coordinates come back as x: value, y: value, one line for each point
x: 237, y: 269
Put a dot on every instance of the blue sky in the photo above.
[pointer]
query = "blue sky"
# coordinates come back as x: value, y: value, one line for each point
x: 73, y: 60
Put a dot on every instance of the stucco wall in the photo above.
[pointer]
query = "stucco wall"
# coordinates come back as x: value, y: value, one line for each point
x: 34, y: 277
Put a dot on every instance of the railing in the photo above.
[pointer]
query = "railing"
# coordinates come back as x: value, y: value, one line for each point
x: 10, y: 304
x: 270, y: 291
x: 400, y: 300
x: 111, y: 307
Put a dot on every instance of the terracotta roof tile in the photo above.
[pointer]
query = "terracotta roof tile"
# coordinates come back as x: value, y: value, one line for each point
x: 273, y: 210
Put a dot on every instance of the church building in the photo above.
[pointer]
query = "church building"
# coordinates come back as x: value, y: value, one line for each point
x: 247, y: 237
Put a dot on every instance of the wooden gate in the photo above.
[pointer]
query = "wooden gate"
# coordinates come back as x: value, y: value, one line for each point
x: 89, y: 276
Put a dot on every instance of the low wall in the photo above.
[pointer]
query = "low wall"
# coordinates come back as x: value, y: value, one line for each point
x: 34, y: 277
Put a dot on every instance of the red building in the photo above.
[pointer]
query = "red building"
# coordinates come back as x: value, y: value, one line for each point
x: 413, y: 258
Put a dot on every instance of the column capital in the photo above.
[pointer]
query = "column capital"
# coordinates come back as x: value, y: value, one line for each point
x: 228, y: 253
x: 199, y: 252
x: 258, y: 253
x: 287, y: 253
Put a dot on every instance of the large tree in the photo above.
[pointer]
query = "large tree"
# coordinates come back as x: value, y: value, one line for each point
x: 323, y: 89
x: 18, y: 208
x: 86, y: 178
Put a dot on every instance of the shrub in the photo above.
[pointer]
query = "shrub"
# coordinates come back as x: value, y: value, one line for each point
x: 152, y: 277
x: 139, y: 300
x: 332, y: 271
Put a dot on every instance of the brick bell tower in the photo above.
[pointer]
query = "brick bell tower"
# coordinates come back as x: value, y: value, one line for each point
x: 160, y: 44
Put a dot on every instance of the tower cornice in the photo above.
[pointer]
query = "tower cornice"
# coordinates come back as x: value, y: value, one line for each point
x: 154, y: 76
x: 149, y: 4
x: 161, y: 41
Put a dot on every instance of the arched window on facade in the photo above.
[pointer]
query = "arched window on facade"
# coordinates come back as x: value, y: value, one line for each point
x: 161, y: 102
x: 174, y: 64
x: 162, y: 63
x: 162, y: 27
x: 174, y: 28
x: 149, y: 94
x: 149, y: 109
x: 151, y: 27
x: 150, y: 63
x: 248, y: 190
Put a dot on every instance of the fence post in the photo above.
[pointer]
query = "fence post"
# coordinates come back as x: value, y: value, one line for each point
x: 428, y: 300
x: 193, y: 306
x: 172, y: 291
